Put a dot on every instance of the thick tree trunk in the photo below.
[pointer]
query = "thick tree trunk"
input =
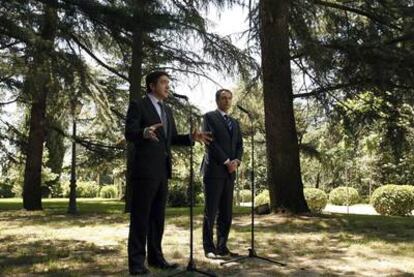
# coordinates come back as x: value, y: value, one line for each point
x: 38, y: 84
x: 135, y: 92
x: 284, y: 176
x: 32, y: 198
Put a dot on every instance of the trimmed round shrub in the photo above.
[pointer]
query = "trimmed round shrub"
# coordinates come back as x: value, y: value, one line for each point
x: 262, y: 198
x: 84, y: 189
x: 344, y: 196
x: 87, y: 189
x: 316, y: 199
x: 393, y: 200
x: 109, y: 191
x: 245, y: 195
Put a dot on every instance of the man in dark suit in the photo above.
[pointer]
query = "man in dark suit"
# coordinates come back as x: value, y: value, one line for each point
x: 151, y: 127
x: 223, y: 156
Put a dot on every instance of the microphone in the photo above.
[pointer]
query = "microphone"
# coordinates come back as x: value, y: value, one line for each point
x: 243, y: 110
x: 180, y: 96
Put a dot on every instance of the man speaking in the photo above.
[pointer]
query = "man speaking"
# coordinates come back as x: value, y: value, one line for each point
x: 151, y: 127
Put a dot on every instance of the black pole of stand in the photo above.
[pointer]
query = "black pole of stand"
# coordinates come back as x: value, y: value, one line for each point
x: 252, y: 251
x: 191, y: 265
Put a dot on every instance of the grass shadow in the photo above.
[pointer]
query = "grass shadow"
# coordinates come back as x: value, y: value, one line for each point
x: 49, y: 257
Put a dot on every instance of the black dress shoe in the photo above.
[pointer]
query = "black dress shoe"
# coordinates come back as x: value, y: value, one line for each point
x: 141, y: 270
x: 163, y: 264
x: 226, y: 252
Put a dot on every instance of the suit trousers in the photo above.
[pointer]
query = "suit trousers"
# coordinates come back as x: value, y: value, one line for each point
x: 147, y: 220
x: 218, y: 193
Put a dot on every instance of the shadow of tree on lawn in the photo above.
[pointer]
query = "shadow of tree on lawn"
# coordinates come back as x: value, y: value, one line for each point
x: 62, y: 257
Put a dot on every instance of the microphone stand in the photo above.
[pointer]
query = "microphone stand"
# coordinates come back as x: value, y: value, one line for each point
x: 252, y: 251
x: 191, y: 265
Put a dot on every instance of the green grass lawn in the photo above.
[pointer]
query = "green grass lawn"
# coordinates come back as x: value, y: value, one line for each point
x: 51, y: 242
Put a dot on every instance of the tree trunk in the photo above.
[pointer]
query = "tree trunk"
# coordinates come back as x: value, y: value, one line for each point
x: 135, y: 92
x: 38, y: 81
x: 284, y: 176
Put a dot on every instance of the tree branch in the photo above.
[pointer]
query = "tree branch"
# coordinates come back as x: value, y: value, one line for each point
x: 357, y: 11
x: 9, y: 45
x: 321, y: 90
x: 9, y: 102
x: 92, y: 55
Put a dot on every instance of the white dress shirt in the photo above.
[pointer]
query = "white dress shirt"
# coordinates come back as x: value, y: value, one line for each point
x: 155, y: 101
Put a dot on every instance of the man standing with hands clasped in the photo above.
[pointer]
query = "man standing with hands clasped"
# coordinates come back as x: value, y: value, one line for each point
x: 223, y: 156
x: 151, y: 127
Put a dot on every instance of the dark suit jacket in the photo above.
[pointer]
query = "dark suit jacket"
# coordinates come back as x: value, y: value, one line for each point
x: 152, y: 158
x: 225, y: 145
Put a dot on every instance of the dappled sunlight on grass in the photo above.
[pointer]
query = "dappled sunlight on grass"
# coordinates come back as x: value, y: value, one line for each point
x: 51, y: 242
x: 41, y: 255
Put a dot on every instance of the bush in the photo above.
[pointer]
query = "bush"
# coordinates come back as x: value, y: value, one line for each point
x: 199, y: 200
x: 109, y: 191
x: 87, y: 189
x: 316, y: 199
x: 65, y: 189
x: 54, y: 189
x: 344, y: 196
x: 17, y: 189
x: 262, y: 198
x: 393, y: 200
x: 245, y: 195
x: 84, y: 189
x: 5, y: 189
x: 177, y: 194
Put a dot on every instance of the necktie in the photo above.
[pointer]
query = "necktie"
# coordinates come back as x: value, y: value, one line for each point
x: 228, y: 122
x: 164, y: 120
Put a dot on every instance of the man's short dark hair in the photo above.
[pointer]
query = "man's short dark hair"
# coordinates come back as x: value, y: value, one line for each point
x: 152, y: 78
x: 220, y: 91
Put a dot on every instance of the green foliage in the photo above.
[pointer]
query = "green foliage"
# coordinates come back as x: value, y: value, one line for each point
x: 15, y: 178
x: 15, y: 175
x: 65, y: 189
x: 245, y: 195
x: 366, y: 139
x: 344, y: 196
x: 393, y: 200
x: 177, y: 194
x: 55, y: 146
x: 5, y: 189
x: 47, y: 177
x: 109, y: 191
x: 252, y: 97
x: 103, y: 28
x: 316, y: 199
x: 355, y: 150
x: 11, y: 184
x: 199, y: 199
x: 84, y: 189
x: 87, y: 189
x: 262, y: 198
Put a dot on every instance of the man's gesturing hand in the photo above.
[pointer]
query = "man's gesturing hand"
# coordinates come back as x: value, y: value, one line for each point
x: 204, y: 137
x: 149, y: 132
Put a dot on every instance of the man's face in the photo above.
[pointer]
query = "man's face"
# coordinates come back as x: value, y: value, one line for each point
x: 224, y: 101
x: 161, y: 88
